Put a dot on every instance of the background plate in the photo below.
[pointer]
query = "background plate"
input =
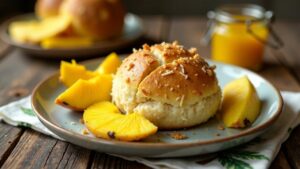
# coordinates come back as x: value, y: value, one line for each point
x: 202, y: 139
x: 133, y: 30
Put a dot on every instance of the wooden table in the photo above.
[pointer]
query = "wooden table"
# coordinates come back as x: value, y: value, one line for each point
x: 25, y: 148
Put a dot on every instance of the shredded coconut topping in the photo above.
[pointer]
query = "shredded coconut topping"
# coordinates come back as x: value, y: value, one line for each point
x: 167, y: 73
x: 181, y: 100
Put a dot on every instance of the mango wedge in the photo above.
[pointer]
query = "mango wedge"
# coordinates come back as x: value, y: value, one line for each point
x: 35, y: 31
x: 71, y: 72
x: 241, y: 104
x: 104, y: 120
x: 110, y: 64
x: 84, y: 93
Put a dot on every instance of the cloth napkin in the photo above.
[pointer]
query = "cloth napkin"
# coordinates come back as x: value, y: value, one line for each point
x: 258, y: 153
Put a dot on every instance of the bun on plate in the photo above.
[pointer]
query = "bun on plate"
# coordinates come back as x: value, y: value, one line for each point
x: 171, y: 86
x: 97, y: 19
x: 47, y: 8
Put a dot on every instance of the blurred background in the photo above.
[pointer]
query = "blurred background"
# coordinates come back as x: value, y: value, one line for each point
x: 284, y: 9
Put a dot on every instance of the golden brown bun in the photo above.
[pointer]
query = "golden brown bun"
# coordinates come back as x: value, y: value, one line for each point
x: 171, y: 86
x: 47, y: 8
x: 98, y: 19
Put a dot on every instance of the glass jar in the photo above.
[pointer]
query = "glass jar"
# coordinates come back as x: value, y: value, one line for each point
x: 239, y: 34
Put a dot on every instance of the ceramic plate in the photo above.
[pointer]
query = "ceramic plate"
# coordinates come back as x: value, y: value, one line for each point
x: 133, y: 30
x: 202, y: 139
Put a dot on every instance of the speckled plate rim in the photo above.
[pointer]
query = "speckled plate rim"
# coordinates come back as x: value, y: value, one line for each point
x: 246, y: 132
x: 58, y: 53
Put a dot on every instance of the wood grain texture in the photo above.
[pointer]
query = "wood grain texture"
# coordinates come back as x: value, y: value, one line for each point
x: 20, y: 75
x: 9, y: 137
x: 280, y: 162
x: 36, y: 150
x: 104, y: 161
x: 4, y: 49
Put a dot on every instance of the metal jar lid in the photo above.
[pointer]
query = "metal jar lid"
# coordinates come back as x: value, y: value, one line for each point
x: 234, y: 13
x: 229, y: 13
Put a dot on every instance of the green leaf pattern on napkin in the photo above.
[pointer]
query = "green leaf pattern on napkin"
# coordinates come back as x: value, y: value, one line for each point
x: 23, y: 124
x: 235, y: 158
x: 27, y: 111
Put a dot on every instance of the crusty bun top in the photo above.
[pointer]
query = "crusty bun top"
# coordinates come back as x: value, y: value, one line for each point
x: 47, y: 8
x: 167, y: 73
x: 98, y: 19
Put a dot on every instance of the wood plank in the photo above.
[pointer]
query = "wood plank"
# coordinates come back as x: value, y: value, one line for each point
x: 188, y: 32
x: 21, y: 75
x: 154, y: 26
x: 25, y: 73
x: 31, y: 151
x: 9, y: 136
x: 74, y: 157
x: 105, y: 161
x: 4, y: 48
x: 280, y: 162
x: 272, y: 70
x: 36, y: 150
x: 290, y: 53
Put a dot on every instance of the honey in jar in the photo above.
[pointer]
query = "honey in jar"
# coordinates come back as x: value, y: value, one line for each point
x: 239, y: 34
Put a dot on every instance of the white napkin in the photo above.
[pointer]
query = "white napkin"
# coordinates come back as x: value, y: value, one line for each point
x: 258, y: 153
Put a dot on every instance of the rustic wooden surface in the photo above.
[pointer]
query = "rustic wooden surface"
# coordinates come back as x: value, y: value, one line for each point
x: 25, y: 148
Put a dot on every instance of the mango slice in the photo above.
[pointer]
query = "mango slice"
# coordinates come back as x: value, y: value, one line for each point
x: 104, y: 120
x: 241, y: 104
x: 71, y: 72
x: 110, y: 64
x: 35, y: 31
x: 66, y: 42
x: 84, y: 93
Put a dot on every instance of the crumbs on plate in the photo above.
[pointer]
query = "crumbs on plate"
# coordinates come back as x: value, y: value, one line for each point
x: 178, y: 136
x: 85, y: 132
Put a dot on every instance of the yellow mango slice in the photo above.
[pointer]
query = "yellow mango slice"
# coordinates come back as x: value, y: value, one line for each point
x: 84, y: 93
x: 71, y: 72
x: 66, y: 42
x: 241, y: 104
x: 110, y: 64
x: 35, y: 31
x: 104, y: 120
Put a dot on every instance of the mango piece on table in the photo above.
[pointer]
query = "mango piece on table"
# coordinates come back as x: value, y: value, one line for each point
x: 84, y: 93
x: 104, y: 120
x: 241, y: 104
x: 110, y: 64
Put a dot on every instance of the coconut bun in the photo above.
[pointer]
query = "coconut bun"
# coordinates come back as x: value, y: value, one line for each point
x: 171, y: 86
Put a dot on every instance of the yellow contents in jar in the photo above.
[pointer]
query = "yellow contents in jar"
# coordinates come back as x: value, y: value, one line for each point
x: 232, y: 43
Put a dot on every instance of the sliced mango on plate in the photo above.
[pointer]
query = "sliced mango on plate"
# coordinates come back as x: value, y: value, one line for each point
x: 35, y: 31
x: 104, y: 120
x: 71, y: 72
x: 110, y: 64
x: 66, y: 42
x: 84, y: 93
x: 241, y: 104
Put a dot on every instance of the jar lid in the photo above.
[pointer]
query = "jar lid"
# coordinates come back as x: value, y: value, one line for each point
x: 232, y: 13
